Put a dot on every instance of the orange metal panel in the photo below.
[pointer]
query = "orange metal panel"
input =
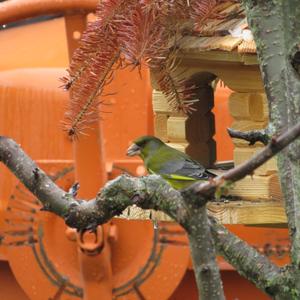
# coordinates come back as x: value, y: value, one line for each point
x: 235, y: 288
x: 32, y: 117
x: 15, y: 10
x: 10, y: 289
x: 223, y: 120
x: 31, y: 46
x: 130, y: 113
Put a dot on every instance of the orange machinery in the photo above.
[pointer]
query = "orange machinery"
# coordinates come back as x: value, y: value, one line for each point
x: 124, y: 259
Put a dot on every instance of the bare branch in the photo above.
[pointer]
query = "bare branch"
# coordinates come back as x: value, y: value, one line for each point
x: 252, y: 136
x: 203, y: 250
x: 204, y: 256
x: 282, y: 85
x: 254, y: 266
x: 36, y: 181
x: 146, y: 192
x: 150, y: 192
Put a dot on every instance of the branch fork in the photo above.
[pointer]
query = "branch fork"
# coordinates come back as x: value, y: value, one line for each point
x: 187, y: 207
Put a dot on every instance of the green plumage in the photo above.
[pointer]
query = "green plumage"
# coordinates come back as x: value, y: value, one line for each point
x: 174, y: 166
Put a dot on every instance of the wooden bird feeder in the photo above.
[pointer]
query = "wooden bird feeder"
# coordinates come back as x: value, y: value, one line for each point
x: 223, y: 49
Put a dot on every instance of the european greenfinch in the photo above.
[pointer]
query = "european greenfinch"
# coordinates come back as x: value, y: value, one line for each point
x: 177, y: 168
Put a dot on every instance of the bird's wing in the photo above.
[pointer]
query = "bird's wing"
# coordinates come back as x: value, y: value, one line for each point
x: 191, y: 169
x: 174, y: 164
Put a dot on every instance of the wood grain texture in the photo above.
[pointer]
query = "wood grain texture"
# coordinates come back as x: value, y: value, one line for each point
x: 237, y: 76
x: 259, y: 107
x: 246, y: 125
x: 185, y: 130
x: 242, y: 154
x: 233, y: 212
x: 178, y: 146
x: 204, y: 152
x: 176, y: 129
x: 160, y: 126
x: 248, y: 212
x: 258, y: 188
x: 160, y: 104
x: 248, y: 106
x: 239, y: 105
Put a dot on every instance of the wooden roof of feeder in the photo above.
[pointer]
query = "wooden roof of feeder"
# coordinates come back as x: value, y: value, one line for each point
x: 225, y: 31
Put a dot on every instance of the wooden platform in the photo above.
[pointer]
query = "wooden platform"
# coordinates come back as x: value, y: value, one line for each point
x: 232, y: 212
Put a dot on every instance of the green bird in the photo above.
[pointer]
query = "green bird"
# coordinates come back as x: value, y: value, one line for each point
x: 177, y: 168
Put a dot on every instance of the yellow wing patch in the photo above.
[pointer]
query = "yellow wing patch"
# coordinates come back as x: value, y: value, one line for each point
x: 178, y: 177
x: 173, y: 176
x: 177, y: 181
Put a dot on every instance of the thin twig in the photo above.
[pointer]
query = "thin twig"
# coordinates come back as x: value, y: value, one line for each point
x: 252, y: 136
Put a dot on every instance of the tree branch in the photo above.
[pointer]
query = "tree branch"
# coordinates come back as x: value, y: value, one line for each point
x: 278, y: 21
x: 35, y: 180
x: 204, y: 256
x: 149, y: 192
x: 254, y: 266
x: 252, y: 136
x: 153, y: 193
x: 203, y: 251
x: 146, y: 192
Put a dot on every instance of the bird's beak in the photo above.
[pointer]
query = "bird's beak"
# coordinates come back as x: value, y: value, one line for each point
x: 133, y: 150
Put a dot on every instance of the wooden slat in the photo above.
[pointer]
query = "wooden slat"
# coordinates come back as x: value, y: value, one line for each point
x: 160, y: 104
x: 228, y: 43
x: 193, y: 44
x: 178, y: 146
x: 176, y: 129
x: 160, y: 126
x: 245, y: 144
x: 259, y: 107
x: 242, y: 154
x: 249, y: 59
x: 246, y: 125
x: 258, y: 187
x: 239, y: 105
x: 233, y: 212
x: 221, y: 56
x: 204, y: 152
x: 237, y: 76
x: 248, y: 106
x: 246, y: 212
